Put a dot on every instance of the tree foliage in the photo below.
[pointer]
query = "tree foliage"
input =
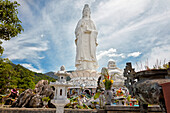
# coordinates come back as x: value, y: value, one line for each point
x: 40, y: 76
x: 8, y: 76
x: 16, y: 76
x: 10, y: 25
x: 25, y: 77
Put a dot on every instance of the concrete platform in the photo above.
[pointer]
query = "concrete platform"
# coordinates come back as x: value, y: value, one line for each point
x: 130, y: 109
x: 108, y: 109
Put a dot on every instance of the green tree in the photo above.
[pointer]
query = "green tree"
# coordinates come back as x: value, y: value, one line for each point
x: 40, y: 76
x: 8, y: 76
x: 10, y: 25
x: 25, y: 77
x: 14, y: 76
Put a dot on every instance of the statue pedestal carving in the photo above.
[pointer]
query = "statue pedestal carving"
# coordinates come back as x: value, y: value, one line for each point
x: 87, y: 77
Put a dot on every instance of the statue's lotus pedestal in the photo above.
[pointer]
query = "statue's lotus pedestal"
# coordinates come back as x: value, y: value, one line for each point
x: 84, y: 79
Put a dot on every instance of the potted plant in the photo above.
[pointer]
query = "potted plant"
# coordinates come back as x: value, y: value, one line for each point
x: 45, y: 101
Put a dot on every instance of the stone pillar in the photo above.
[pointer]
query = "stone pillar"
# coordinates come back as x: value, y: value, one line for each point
x: 60, y: 96
x: 59, y: 108
x: 55, y: 93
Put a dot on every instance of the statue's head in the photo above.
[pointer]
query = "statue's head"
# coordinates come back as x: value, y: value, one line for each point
x: 62, y: 68
x: 86, y: 11
x: 111, y: 64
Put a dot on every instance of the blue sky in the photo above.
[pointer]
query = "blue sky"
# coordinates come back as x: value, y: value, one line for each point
x: 129, y: 30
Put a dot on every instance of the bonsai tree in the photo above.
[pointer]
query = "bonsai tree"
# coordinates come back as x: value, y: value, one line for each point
x: 46, y: 99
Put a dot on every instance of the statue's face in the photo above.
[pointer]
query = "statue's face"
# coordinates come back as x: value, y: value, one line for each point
x: 86, y: 13
x: 111, y: 64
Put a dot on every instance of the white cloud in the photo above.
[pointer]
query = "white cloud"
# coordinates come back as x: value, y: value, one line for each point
x: 134, y: 54
x: 133, y: 26
x: 29, y: 66
x: 110, y: 53
x: 156, y: 56
x: 120, y: 9
x: 111, y: 60
x: 162, y: 54
x: 42, y: 35
x: 25, y: 47
x: 122, y: 21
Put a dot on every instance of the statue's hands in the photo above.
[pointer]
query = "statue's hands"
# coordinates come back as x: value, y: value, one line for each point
x: 87, y: 30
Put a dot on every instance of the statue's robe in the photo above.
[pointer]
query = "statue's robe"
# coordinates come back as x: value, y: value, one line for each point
x: 86, y: 45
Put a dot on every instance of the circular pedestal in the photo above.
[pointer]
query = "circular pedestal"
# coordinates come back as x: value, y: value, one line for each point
x: 87, y: 77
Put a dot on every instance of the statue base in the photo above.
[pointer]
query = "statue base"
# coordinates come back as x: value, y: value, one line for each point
x: 60, y: 105
x: 84, y: 79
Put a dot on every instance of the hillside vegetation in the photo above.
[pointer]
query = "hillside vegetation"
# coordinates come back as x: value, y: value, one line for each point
x: 17, y: 76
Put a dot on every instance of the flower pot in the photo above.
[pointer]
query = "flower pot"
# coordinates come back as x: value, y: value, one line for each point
x: 108, y: 96
x: 45, y: 103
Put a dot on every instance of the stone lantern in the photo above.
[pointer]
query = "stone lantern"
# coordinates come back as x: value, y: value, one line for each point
x: 60, y: 94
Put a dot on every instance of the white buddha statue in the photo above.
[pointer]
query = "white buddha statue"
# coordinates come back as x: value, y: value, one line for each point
x: 86, y: 42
